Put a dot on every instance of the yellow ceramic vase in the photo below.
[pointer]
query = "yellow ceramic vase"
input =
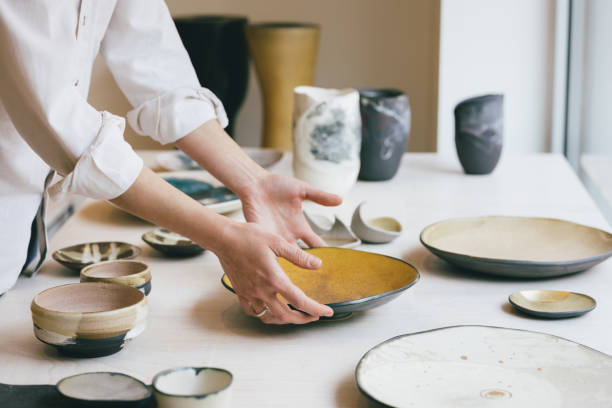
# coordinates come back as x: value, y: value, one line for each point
x: 284, y: 55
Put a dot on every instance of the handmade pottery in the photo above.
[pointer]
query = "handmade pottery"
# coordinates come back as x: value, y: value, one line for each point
x: 171, y: 243
x: 176, y: 160
x: 327, y: 138
x: 480, y: 366
x: 124, y: 272
x: 350, y: 280
x: 335, y: 234
x: 377, y: 230
x: 197, y: 185
x: 479, y: 133
x: 192, y: 387
x: 552, y: 304
x: 385, y: 118
x: 220, y: 39
x: 105, y: 389
x: 89, y: 319
x: 284, y: 55
x: 525, y: 247
x: 78, y: 256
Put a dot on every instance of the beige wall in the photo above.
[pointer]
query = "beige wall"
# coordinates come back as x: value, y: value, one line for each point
x: 384, y: 43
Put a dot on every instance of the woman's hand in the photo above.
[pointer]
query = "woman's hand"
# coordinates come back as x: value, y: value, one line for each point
x: 248, y: 255
x: 275, y: 203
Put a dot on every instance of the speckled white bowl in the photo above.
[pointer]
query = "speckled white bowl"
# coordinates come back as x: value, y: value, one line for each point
x: 192, y: 387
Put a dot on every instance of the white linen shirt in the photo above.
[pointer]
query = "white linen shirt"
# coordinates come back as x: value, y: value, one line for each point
x: 47, y: 49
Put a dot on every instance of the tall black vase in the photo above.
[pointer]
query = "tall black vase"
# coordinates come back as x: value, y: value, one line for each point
x: 479, y: 133
x: 218, y: 51
x: 385, y: 117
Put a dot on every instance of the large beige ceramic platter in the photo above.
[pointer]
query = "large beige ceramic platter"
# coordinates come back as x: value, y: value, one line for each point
x: 485, y: 367
x: 518, y: 246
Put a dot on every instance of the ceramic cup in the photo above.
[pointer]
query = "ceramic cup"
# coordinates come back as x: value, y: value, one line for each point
x: 192, y: 387
x: 479, y: 132
x: 326, y: 137
x: 124, y: 272
x: 385, y: 116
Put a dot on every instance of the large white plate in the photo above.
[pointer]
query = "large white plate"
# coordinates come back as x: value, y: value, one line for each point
x: 176, y: 160
x: 481, y: 366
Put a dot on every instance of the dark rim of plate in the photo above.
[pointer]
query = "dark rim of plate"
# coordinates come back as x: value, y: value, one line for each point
x: 197, y: 372
x: 149, y: 393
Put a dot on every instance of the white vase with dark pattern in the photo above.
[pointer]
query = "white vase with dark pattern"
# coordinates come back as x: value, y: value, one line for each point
x: 326, y: 137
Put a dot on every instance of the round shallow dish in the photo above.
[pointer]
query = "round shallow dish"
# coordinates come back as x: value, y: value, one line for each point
x: 89, y: 319
x: 518, y: 246
x: 178, y: 161
x: 105, y: 389
x: 201, y: 187
x: 192, y: 387
x: 78, y: 256
x: 124, y: 272
x: 480, y: 366
x: 377, y: 230
x: 171, y: 243
x: 350, y: 280
x: 552, y: 304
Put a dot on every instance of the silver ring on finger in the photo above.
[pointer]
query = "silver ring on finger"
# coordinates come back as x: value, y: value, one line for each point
x: 263, y: 312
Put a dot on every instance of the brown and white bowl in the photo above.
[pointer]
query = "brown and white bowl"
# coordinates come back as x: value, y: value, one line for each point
x: 125, y: 272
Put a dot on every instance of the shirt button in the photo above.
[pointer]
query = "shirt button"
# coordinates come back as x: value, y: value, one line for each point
x: 76, y: 83
x: 84, y: 20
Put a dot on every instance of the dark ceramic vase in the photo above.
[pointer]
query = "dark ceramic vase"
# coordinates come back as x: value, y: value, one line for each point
x: 479, y: 133
x: 218, y: 50
x: 385, y: 117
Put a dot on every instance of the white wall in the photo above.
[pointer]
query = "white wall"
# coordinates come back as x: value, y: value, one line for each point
x: 498, y: 46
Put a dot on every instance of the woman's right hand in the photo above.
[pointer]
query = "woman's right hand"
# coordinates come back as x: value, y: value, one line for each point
x: 248, y: 255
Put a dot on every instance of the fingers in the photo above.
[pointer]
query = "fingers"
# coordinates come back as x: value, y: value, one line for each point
x: 322, y: 197
x: 298, y: 299
x: 296, y: 255
x: 313, y: 240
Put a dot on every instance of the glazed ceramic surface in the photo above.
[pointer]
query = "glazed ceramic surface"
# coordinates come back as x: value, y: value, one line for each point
x: 335, y: 234
x: 385, y: 117
x: 479, y: 133
x: 176, y: 160
x: 350, y: 280
x: 124, y: 272
x: 518, y: 246
x: 284, y: 56
x: 78, y: 256
x: 107, y: 388
x: 171, y: 243
x: 192, y: 387
x: 378, y: 230
x: 327, y: 138
x: 552, y: 304
x: 89, y: 319
x: 197, y: 185
x: 479, y: 366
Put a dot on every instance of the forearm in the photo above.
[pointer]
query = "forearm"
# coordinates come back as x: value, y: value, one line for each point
x: 153, y: 199
x: 214, y: 150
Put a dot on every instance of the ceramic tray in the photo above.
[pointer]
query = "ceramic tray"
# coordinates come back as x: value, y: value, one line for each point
x: 480, y: 366
x: 178, y: 161
x: 518, y: 246
x: 202, y: 187
x: 350, y: 280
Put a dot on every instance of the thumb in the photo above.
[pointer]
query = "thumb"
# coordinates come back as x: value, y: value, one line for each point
x: 297, y: 256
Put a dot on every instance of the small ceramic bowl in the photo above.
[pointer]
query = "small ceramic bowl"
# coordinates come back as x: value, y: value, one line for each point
x: 124, y: 272
x: 105, y: 389
x: 192, y: 387
x: 171, y: 243
x: 552, y: 304
x: 78, y: 256
x: 89, y: 319
x: 335, y: 234
x: 376, y: 231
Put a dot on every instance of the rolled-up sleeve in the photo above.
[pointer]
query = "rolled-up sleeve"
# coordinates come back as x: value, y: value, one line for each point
x: 151, y: 66
x: 40, y: 95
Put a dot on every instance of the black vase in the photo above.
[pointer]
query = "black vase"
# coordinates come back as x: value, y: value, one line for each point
x: 385, y: 117
x: 218, y: 51
x: 479, y: 133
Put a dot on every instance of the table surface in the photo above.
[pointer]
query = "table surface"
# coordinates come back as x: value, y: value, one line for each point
x: 194, y: 321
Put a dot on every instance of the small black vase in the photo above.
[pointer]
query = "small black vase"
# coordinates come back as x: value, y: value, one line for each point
x: 218, y: 51
x: 479, y: 133
x: 385, y: 117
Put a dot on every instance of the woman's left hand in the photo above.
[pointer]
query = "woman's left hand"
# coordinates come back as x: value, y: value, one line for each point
x: 275, y: 203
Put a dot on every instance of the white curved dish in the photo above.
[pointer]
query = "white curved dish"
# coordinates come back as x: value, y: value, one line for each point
x: 335, y: 234
x: 377, y: 230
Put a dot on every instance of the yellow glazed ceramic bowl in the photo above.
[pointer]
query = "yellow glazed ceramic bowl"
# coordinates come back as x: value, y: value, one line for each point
x: 350, y: 280
x: 125, y: 272
x: 89, y: 319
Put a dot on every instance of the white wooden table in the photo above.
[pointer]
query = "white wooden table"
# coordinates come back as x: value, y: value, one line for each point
x: 195, y: 321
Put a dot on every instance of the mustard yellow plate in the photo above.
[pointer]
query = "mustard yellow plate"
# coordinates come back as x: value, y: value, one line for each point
x: 350, y: 280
